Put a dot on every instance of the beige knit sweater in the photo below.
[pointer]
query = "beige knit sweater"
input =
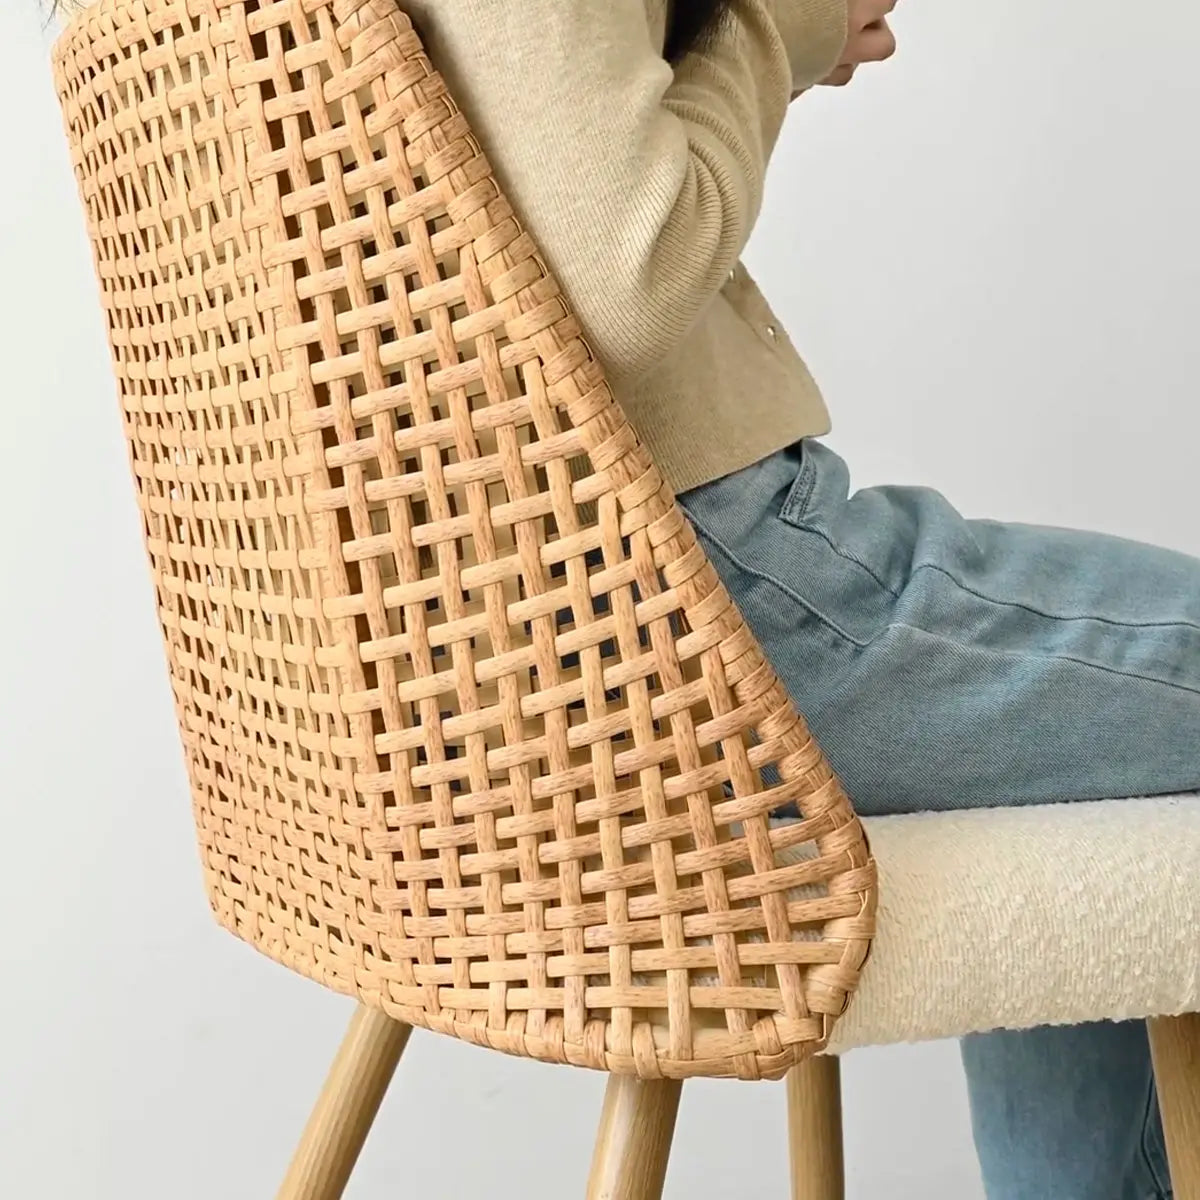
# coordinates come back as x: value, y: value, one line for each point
x: 641, y: 186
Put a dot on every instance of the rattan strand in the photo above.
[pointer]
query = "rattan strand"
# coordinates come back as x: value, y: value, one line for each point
x: 472, y: 733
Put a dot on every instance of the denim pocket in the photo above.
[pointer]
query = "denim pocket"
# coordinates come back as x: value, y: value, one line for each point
x: 866, y: 530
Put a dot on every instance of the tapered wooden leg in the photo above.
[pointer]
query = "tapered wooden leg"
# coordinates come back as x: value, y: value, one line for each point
x: 634, y: 1140
x: 1175, y: 1042
x: 353, y: 1092
x: 814, y: 1091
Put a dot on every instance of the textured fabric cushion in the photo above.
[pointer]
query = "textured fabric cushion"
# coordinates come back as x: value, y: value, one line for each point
x: 1033, y: 916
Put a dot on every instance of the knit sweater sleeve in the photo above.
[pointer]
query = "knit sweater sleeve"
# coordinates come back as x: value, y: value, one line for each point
x: 814, y: 32
x: 641, y: 184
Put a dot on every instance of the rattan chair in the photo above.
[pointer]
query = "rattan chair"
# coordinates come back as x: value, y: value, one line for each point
x: 474, y: 733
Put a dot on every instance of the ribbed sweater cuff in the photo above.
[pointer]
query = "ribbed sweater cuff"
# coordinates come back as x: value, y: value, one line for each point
x: 815, y: 33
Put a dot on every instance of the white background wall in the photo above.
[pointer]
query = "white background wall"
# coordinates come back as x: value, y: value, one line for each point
x: 987, y: 250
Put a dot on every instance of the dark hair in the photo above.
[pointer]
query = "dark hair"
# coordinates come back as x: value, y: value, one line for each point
x: 692, y: 22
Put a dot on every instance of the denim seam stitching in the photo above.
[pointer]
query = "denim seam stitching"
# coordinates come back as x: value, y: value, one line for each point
x: 1050, y: 616
x: 801, y: 491
x: 827, y: 538
x: 845, y: 555
x: 778, y: 584
x: 1071, y: 658
x: 782, y: 587
x: 1144, y: 1145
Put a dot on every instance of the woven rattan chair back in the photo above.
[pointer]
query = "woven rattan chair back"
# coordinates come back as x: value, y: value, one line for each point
x: 473, y: 730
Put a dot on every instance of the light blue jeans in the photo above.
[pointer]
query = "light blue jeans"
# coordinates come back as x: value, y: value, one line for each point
x: 946, y: 663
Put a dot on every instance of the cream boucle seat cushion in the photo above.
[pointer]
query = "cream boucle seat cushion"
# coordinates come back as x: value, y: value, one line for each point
x: 1032, y: 916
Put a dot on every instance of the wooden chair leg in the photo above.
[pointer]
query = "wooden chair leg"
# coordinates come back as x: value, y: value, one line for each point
x: 814, y: 1091
x: 353, y: 1092
x: 634, y: 1139
x: 1175, y: 1043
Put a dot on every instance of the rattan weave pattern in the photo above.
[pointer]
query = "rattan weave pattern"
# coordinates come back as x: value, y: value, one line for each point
x: 472, y: 733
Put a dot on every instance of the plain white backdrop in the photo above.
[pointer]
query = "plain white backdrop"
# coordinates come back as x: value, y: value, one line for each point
x: 987, y: 250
